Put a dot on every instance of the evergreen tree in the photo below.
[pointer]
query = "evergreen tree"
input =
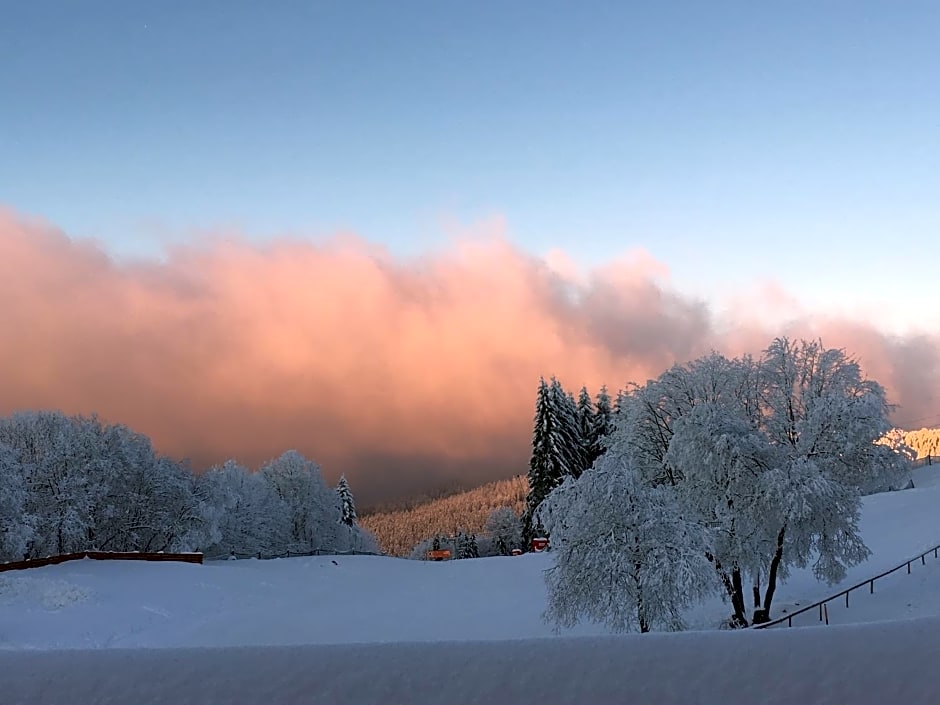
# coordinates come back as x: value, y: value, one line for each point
x: 471, y: 550
x: 465, y: 545
x: 620, y: 401
x: 544, y: 473
x: 347, y: 502
x: 585, y: 422
x: 568, y: 446
x: 556, y: 451
x: 603, y: 423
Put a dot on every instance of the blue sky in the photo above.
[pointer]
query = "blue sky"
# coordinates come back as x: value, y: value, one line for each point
x: 736, y: 142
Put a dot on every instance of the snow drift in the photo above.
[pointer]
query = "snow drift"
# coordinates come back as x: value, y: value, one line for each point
x: 861, y: 664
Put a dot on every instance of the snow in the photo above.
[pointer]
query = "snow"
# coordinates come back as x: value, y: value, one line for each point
x: 374, y: 629
x: 860, y: 664
x: 282, y: 601
x: 294, y: 601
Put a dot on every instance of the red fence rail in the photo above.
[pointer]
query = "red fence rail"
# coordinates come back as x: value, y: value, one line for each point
x: 101, y: 556
x: 869, y: 583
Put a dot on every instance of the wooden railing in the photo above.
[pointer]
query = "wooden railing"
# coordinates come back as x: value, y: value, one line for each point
x: 101, y: 556
x: 870, y: 583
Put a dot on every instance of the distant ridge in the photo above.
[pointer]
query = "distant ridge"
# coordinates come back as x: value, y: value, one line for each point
x: 399, y: 530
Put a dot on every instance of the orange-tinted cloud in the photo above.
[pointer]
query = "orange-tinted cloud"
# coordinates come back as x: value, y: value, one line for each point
x: 403, y: 374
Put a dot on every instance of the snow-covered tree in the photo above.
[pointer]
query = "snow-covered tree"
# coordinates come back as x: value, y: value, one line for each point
x: 721, y: 459
x: 585, y: 424
x: 15, y: 524
x: 771, y: 456
x: 149, y: 501
x: 823, y: 419
x: 347, y: 502
x: 603, y: 423
x: 555, y: 448
x: 570, y: 445
x: 504, y: 527
x: 62, y: 474
x: 357, y: 539
x: 248, y: 516
x: 624, y: 555
x: 313, y: 508
x: 465, y: 545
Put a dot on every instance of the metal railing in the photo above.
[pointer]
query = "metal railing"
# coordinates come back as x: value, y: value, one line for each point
x: 870, y: 583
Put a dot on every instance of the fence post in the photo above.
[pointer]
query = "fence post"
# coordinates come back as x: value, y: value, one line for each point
x: 871, y: 587
x: 820, y: 612
x: 789, y: 621
x: 908, y: 567
x: 846, y: 598
x: 826, y: 610
x: 923, y: 561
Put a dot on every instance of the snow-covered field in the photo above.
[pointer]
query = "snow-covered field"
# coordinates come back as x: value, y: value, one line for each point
x: 354, y: 615
x: 870, y: 664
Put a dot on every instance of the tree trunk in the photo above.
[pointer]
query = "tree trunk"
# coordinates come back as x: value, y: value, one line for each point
x: 772, y: 576
x: 760, y: 615
x: 640, y: 611
x: 735, y: 592
x: 738, y: 599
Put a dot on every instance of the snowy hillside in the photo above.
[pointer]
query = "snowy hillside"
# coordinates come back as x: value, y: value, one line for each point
x: 373, y: 630
x: 349, y: 599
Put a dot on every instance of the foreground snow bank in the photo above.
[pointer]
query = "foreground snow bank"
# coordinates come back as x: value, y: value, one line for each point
x: 858, y: 664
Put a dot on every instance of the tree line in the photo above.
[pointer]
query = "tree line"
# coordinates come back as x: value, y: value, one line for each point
x: 924, y: 442
x: 73, y: 483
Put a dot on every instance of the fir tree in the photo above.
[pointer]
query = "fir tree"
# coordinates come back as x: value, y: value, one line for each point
x: 585, y: 422
x: 554, y: 449
x: 544, y: 475
x: 567, y: 443
x: 347, y: 502
x: 465, y: 545
x: 603, y: 424
x: 472, y: 550
x: 620, y: 401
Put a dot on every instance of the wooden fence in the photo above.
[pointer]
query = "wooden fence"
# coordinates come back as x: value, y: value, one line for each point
x: 101, y: 556
x: 290, y: 554
x: 869, y: 583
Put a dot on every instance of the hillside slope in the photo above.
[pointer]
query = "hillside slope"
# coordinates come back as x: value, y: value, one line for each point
x: 369, y: 599
x: 400, y: 530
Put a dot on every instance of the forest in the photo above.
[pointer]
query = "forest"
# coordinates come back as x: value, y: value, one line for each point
x: 71, y: 483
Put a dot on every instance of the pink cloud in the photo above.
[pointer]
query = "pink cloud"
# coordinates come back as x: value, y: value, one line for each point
x: 411, y: 373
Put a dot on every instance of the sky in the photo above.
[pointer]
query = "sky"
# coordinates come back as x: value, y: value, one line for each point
x: 741, y: 169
